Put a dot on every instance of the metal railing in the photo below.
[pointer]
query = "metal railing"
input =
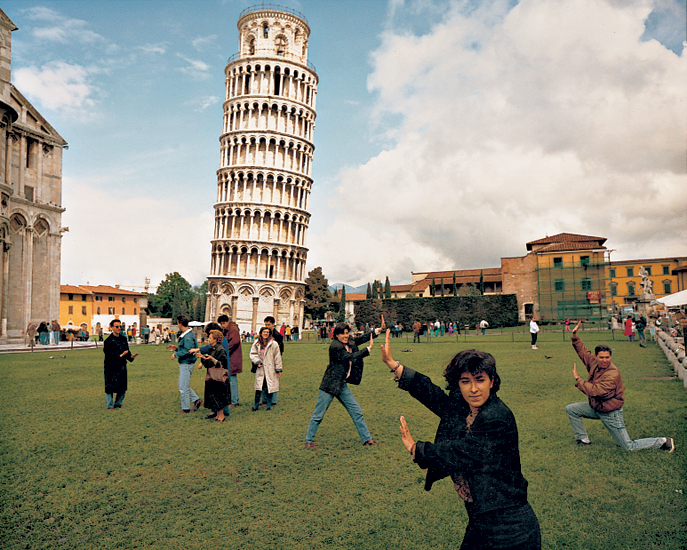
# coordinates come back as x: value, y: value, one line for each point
x: 272, y: 7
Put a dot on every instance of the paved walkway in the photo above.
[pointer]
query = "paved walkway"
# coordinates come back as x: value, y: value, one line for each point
x: 64, y: 346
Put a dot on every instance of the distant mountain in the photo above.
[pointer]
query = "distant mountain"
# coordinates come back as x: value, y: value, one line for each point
x: 349, y: 289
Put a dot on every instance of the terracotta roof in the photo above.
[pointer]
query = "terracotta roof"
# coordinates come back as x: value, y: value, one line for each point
x: 649, y: 260
x: 566, y: 238
x: 401, y: 288
x: 104, y: 289
x: 569, y: 246
x: 460, y: 273
x: 71, y: 289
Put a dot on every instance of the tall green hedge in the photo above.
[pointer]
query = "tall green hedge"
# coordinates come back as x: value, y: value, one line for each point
x: 499, y: 310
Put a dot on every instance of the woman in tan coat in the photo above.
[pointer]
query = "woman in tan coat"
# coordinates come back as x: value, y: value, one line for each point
x: 266, y: 359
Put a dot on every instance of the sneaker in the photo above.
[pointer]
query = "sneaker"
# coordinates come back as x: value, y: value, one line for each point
x: 581, y: 443
x: 669, y: 445
x: 310, y: 445
x: 370, y: 442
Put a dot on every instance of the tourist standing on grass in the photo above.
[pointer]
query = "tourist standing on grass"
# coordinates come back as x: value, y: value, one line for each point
x: 345, y: 367
x: 534, y: 332
x: 116, y: 349
x: 187, y: 360
x: 206, y: 349
x: 416, y: 331
x: 233, y: 338
x: 483, y: 325
x: 476, y: 445
x: 629, y: 329
x: 266, y: 357
x: 270, y: 322
x: 217, y: 392
x: 641, y: 325
x: 606, y: 395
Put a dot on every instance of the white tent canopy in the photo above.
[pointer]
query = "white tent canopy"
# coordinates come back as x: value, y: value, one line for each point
x: 674, y: 300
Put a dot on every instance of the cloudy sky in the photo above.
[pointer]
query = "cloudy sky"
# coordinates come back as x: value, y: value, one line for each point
x: 449, y: 133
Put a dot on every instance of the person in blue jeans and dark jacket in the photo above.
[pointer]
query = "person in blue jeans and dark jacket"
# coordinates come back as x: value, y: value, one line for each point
x: 187, y: 360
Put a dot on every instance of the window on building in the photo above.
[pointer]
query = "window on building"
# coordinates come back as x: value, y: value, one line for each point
x: 110, y: 311
x: 135, y: 311
x: 31, y: 153
x: 83, y: 310
x: 667, y: 287
x: 614, y: 289
x: 251, y: 47
x: 281, y: 46
x: 584, y: 260
x: 70, y: 297
x: 630, y: 271
x: 28, y: 193
x: 559, y: 285
x: 630, y: 289
x: 98, y: 298
x: 529, y: 309
x: 648, y: 269
x: 98, y: 310
x: 84, y: 298
x: 558, y: 262
x: 71, y: 310
x: 123, y: 311
x: 123, y: 299
x: 110, y: 298
x: 666, y: 269
x: 135, y: 300
x: 586, y: 284
x: 611, y: 272
x: 266, y: 31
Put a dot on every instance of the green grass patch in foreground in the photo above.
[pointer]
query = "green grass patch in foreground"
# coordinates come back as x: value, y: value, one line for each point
x: 77, y: 476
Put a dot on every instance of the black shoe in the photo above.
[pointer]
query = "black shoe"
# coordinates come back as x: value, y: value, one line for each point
x: 254, y: 409
x: 213, y: 415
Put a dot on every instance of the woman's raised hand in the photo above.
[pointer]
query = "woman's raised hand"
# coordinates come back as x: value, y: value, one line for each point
x: 372, y: 343
x: 408, y: 441
x: 386, y: 351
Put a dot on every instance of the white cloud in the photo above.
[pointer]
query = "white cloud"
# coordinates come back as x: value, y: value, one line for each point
x: 554, y: 116
x: 160, y: 48
x: 117, y: 238
x: 195, y: 68
x: 62, y: 29
x: 203, y: 43
x: 58, y: 86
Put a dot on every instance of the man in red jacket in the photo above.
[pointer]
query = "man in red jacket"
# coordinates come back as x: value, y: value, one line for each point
x: 606, y: 394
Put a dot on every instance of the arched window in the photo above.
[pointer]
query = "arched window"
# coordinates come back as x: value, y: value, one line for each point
x: 281, y: 46
x: 251, y: 47
x: 266, y: 31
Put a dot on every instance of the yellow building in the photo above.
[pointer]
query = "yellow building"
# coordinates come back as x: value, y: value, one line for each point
x: 625, y: 281
x: 98, y: 305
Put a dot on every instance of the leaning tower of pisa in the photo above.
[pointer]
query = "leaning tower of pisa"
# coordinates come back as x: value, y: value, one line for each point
x: 264, y: 177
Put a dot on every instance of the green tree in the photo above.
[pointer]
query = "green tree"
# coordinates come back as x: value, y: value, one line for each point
x: 387, y: 289
x: 433, y: 288
x: 442, y: 287
x: 455, y: 289
x: 317, y: 294
x: 369, y: 292
x: 199, y: 301
x: 173, y: 297
x: 481, y: 283
x: 341, y: 317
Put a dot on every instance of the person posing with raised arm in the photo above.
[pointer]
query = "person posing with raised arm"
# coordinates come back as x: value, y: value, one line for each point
x: 116, y: 349
x: 605, y: 395
x: 476, y: 445
x: 345, y: 366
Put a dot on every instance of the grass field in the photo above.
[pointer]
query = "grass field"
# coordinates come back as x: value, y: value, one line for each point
x: 75, y: 475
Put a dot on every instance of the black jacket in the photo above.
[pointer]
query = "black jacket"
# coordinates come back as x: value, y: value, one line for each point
x: 340, y: 360
x: 487, y: 455
x: 115, y: 366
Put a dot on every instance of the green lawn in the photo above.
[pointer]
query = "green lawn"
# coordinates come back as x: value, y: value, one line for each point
x: 75, y: 475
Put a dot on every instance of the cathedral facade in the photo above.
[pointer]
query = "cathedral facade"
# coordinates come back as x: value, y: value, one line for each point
x: 264, y: 179
x: 30, y: 206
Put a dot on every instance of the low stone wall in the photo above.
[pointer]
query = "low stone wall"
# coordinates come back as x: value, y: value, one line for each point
x: 675, y: 353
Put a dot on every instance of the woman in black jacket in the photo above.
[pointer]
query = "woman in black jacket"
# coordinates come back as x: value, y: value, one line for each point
x: 476, y: 444
x: 345, y: 366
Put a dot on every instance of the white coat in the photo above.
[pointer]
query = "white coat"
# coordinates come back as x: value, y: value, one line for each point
x: 271, y: 365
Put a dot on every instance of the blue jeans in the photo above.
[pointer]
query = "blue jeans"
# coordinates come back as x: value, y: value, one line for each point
x: 188, y: 396
x: 347, y: 399
x: 613, y: 421
x: 116, y: 403
x: 234, y: 385
x: 263, y: 397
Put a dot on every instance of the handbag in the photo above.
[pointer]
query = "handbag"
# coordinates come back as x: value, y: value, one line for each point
x: 217, y: 374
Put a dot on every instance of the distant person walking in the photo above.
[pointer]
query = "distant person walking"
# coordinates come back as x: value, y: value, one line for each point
x: 187, y: 360
x: 534, y: 332
x: 416, y: 331
x: 629, y: 329
x: 483, y: 325
x: 116, y: 349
